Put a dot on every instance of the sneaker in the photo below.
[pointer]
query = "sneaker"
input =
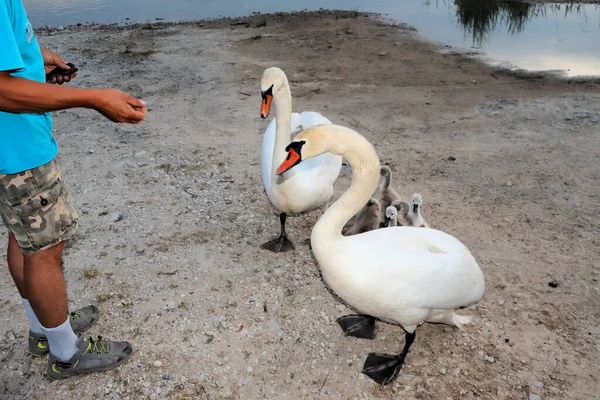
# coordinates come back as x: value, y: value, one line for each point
x: 94, y: 355
x: 81, y: 320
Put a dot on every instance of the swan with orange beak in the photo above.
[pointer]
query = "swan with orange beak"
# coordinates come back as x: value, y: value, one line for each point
x: 400, y: 275
x: 310, y: 185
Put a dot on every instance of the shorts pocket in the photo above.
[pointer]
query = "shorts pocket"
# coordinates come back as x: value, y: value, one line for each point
x: 47, y: 215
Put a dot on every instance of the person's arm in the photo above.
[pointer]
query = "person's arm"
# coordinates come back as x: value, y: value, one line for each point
x: 20, y: 95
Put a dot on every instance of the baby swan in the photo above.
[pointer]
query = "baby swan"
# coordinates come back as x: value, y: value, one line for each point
x: 393, y: 212
x: 385, y: 189
x: 414, y: 216
x: 367, y: 218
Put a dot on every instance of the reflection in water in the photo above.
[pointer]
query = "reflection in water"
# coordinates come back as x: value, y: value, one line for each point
x: 480, y: 17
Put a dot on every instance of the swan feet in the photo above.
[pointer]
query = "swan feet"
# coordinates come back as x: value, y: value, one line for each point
x: 384, y: 368
x: 279, y: 245
x: 360, y: 326
x: 282, y: 243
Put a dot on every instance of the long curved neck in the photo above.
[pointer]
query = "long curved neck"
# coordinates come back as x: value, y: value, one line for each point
x: 282, y: 100
x: 365, y: 178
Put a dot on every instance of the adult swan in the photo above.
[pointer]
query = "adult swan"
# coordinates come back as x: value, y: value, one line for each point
x: 401, y: 275
x: 306, y: 187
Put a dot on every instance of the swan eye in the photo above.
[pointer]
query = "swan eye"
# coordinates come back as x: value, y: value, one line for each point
x: 265, y: 95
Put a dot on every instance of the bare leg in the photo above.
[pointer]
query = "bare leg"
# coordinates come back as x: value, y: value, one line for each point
x: 14, y: 258
x: 44, y: 286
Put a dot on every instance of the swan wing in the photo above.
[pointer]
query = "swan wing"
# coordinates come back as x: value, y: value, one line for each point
x: 411, y: 267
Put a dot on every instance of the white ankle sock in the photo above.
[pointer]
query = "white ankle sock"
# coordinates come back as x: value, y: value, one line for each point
x: 34, y: 322
x: 62, y: 341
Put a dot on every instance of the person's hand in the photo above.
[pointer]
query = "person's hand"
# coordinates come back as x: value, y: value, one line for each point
x: 53, y: 60
x: 119, y: 107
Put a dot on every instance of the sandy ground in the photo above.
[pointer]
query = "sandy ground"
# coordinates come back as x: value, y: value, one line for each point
x: 506, y: 162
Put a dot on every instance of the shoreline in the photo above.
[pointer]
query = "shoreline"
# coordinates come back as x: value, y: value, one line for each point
x: 257, y: 20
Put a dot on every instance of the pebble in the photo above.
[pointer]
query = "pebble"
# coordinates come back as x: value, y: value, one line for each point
x: 534, y: 397
x: 598, y: 347
x: 116, y: 216
x: 489, y: 359
x: 249, y: 369
x: 509, y: 183
x: 171, y: 306
x: 501, y: 302
x: 158, y: 363
x: 60, y: 28
x: 274, y: 327
x: 165, y: 377
x: 538, y: 384
x: 324, y: 316
x: 278, y: 272
x: 383, y: 53
x: 443, y: 370
x: 341, y: 308
x: 420, y: 363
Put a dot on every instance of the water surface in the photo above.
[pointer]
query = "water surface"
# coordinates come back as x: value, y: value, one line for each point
x: 562, y: 37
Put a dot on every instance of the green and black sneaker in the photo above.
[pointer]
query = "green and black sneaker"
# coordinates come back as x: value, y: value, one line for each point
x: 93, y: 355
x: 81, y: 320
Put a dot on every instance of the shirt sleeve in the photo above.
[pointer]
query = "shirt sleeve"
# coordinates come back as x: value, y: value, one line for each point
x: 10, y: 56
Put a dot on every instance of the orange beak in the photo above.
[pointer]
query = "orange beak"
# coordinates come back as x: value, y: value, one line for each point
x: 292, y: 159
x: 266, y: 106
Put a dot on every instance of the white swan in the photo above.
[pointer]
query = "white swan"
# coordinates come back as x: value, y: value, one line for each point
x: 306, y: 187
x: 400, y: 275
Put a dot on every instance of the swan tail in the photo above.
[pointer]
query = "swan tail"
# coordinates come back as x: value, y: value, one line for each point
x: 449, y: 317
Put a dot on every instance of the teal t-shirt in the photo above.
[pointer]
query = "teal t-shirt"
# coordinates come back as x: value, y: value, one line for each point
x: 26, y: 140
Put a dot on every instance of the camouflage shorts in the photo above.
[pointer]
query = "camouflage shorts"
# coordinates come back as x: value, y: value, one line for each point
x: 34, y: 205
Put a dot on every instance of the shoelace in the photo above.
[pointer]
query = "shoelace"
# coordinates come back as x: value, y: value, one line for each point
x: 93, y: 345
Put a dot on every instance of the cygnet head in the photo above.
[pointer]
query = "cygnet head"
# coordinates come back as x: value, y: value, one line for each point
x: 416, y: 202
x: 272, y: 81
x: 391, y: 216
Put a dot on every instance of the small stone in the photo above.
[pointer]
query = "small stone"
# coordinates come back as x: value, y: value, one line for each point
x: 534, y: 397
x: 489, y: 359
x: 383, y: 53
x: 116, y: 216
x: 158, y: 363
x: 443, y: 370
x: 553, y: 284
x: 171, y: 306
x: 598, y: 347
x: 60, y: 28
x: 324, y: 316
x: 501, y: 302
x: 420, y: 362
x: 451, y: 158
x: 90, y: 151
x: 165, y: 377
x: 278, y: 272
x: 249, y: 369
x: 509, y: 183
x: 538, y: 384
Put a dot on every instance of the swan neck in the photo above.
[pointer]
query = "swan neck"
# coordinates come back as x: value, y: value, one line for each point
x: 282, y: 100
x: 365, y: 164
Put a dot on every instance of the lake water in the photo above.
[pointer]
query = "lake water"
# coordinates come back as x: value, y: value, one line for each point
x: 561, y: 37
